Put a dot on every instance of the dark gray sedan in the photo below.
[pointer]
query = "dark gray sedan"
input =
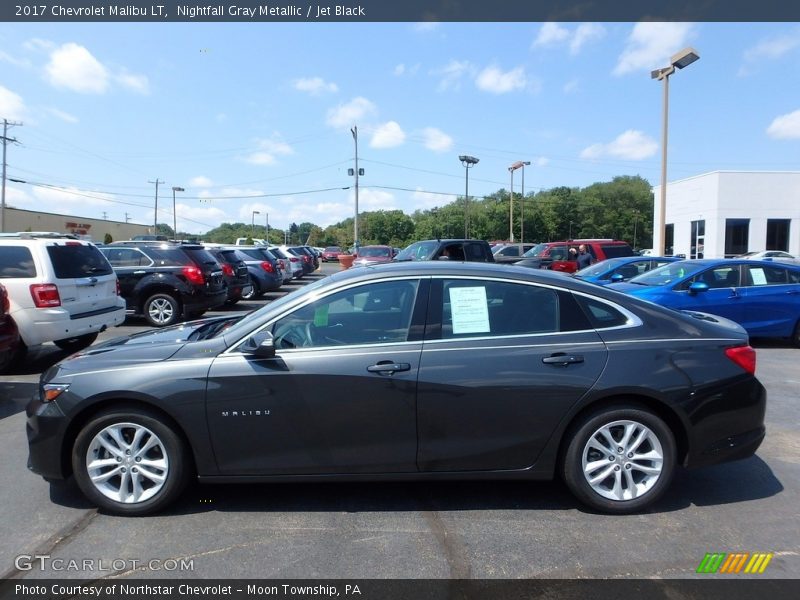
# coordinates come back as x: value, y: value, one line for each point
x: 436, y: 370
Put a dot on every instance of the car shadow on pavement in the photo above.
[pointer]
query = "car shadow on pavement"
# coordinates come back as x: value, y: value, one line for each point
x: 14, y: 396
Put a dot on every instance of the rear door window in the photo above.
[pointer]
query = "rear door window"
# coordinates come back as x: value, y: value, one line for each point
x: 617, y: 250
x: 78, y: 260
x: 16, y: 261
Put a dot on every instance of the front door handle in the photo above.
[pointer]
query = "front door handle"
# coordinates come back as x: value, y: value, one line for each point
x: 562, y: 359
x: 388, y: 367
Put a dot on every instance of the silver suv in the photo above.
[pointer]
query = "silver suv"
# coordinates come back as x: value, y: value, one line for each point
x: 60, y: 290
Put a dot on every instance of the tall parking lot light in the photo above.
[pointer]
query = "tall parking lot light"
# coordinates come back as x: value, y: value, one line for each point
x: 468, y: 162
x: 253, y: 224
x: 680, y: 60
x: 517, y: 165
x: 175, y: 188
x: 525, y: 163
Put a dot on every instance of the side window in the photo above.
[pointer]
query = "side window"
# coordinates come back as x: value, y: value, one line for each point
x: 632, y: 269
x: 716, y: 278
x: 16, y: 261
x: 765, y: 275
x: 602, y: 315
x: 558, y: 253
x: 125, y: 257
x: 376, y: 313
x: 473, y: 308
x: 477, y: 253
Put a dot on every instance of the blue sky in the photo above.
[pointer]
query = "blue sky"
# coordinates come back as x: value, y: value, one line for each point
x: 245, y: 116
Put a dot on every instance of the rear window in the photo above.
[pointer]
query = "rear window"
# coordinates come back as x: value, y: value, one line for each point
x: 71, y: 261
x: 16, y: 261
x: 251, y: 254
x: 200, y: 255
x: 228, y: 256
x: 617, y: 250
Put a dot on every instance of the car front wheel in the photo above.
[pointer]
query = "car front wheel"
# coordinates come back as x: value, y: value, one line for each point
x: 130, y: 462
x: 619, y: 460
x: 162, y: 310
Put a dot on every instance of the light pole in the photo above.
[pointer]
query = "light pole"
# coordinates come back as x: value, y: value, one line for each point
x: 266, y: 222
x: 525, y: 163
x: 635, y: 222
x: 680, y: 60
x: 517, y: 165
x: 468, y: 162
x: 253, y: 224
x: 175, y: 188
x: 570, y: 231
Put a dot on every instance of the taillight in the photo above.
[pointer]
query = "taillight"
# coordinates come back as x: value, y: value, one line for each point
x: 45, y: 295
x: 6, y: 302
x: 267, y: 266
x: 227, y: 269
x: 306, y: 258
x: 119, y: 291
x: 294, y: 259
x: 744, y: 356
x: 194, y: 275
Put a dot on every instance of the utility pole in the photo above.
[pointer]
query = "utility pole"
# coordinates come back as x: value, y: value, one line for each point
x: 356, y: 172
x: 127, y: 218
x: 6, y: 140
x: 105, y: 216
x: 155, y: 215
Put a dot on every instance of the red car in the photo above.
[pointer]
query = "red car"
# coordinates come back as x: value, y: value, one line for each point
x: 331, y: 253
x: 374, y: 254
x: 9, y: 335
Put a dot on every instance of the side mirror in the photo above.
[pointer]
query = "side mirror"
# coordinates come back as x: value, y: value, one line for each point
x: 260, y: 344
x: 697, y: 287
x: 617, y: 277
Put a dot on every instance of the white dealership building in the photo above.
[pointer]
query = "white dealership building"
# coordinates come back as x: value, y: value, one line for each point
x: 725, y: 213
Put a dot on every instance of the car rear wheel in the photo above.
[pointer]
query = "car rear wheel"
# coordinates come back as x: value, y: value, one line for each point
x: 130, y: 462
x: 161, y: 310
x: 254, y: 292
x: 74, y: 344
x: 619, y: 460
x: 796, y: 335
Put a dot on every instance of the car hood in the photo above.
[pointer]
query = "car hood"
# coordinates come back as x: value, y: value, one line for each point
x: 147, y: 346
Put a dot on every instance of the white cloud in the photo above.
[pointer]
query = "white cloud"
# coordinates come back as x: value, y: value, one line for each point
x: 346, y: 115
x: 399, y: 70
x: 12, y: 106
x: 426, y: 27
x: 630, y: 145
x: 436, y: 139
x: 315, y: 86
x: 268, y: 151
x: 388, y: 135
x: 451, y: 74
x: 369, y: 199
x: 403, y: 69
x: 17, y: 62
x: 60, y: 114
x: 73, y: 67
x: 495, y: 81
x: 585, y: 33
x: 39, y: 45
x: 192, y: 218
x: 135, y: 83
x: 550, y: 34
x: 221, y: 117
x: 571, y: 86
x: 542, y: 161
x: 769, y: 49
x: 427, y: 200
x: 201, y: 181
x: 650, y: 46
x: 785, y: 127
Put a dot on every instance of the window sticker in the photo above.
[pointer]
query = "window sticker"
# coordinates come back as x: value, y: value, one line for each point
x: 759, y: 278
x: 469, y: 310
x: 321, y: 316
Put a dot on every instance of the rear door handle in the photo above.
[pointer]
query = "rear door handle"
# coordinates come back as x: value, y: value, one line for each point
x: 562, y: 359
x: 388, y: 368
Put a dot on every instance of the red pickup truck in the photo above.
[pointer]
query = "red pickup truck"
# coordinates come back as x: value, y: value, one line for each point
x: 555, y: 255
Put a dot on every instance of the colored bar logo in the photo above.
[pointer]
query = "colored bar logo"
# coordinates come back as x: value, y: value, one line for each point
x: 736, y: 562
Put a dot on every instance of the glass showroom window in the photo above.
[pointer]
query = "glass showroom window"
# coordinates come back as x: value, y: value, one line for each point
x: 778, y: 234
x: 736, y: 236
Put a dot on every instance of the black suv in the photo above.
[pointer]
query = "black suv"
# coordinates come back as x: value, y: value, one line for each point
x: 235, y: 272
x: 462, y: 250
x: 164, y: 281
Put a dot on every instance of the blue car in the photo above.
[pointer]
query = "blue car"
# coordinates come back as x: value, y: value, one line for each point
x: 763, y: 297
x: 624, y: 268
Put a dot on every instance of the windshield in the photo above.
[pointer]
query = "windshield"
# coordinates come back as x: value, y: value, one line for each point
x: 367, y: 251
x: 537, y: 250
x: 668, y: 273
x: 601, y: 267
x: 418, y: 251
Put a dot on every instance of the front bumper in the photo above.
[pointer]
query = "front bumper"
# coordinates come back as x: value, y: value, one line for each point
x: 46, y: 427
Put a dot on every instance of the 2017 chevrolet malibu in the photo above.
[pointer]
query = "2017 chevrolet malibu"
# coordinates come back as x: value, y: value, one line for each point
x: 437, y: 370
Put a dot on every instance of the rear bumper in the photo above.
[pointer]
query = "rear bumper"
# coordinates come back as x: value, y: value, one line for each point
x: 39, y: 325
x: 204, y: 301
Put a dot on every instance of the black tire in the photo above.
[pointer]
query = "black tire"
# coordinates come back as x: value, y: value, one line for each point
x: 647, y: 488
x: 14, y: 357
x: 77, y: 343
x: 796, y: 335
x: 255, y: 291
x: 170, y: 451
x: 161, y: 310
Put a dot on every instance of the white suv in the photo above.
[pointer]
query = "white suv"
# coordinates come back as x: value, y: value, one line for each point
x: 60, y: 289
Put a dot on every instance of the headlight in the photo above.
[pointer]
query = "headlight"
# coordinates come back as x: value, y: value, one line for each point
x: 50, y: 391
